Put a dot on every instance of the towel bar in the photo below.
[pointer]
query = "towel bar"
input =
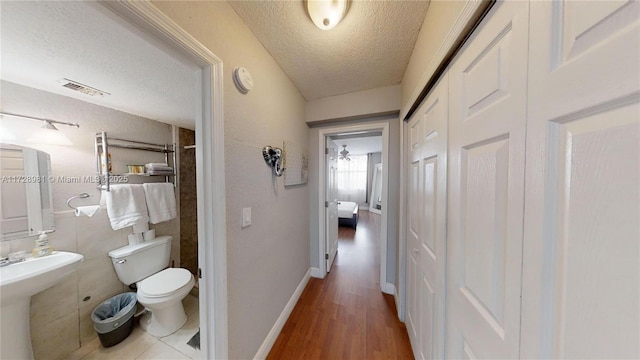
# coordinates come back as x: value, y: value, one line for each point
x: 79, y: 196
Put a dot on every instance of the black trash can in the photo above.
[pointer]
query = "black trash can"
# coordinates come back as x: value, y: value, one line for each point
x: 113, y: 318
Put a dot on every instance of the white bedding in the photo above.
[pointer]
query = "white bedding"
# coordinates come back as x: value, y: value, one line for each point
x: 345, y: 209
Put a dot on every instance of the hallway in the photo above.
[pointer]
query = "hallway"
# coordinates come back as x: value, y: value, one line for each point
x: 345, y: 315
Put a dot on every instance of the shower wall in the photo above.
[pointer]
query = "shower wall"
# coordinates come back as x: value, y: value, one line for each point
x: 188, y: 207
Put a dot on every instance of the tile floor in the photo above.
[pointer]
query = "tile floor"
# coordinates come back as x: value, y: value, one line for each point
x: 140, y: 345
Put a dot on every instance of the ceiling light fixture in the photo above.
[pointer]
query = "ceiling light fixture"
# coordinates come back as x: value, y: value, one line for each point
x: 326, y: 14
x: 344, y: 154
x: 47, y: 134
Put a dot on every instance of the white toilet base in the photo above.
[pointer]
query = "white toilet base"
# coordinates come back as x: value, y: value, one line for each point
x: 163, y: 322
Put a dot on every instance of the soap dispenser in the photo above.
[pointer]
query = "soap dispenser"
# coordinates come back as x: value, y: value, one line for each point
x: 42, y: 247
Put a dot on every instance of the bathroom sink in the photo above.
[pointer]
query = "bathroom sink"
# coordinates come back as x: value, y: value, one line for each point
x: 34, y: 275
x: 20, y: 281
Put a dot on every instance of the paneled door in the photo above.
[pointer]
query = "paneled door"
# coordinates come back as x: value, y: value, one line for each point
x: 331, y: 203
x: 487, y: 114
x: 582, y: 238
x: 427, y: 225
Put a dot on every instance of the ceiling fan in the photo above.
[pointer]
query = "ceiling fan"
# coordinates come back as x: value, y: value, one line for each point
x: 344, y: 154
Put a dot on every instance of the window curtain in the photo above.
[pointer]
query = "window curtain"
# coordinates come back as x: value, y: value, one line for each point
x: 352, y: 179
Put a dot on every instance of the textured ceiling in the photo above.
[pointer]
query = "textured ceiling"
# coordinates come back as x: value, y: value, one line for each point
x: 370, y: 48
x: 45, y: 41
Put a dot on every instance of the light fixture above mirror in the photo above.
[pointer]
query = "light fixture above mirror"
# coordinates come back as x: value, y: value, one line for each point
x: 326, y: 14
x: 47, y: 134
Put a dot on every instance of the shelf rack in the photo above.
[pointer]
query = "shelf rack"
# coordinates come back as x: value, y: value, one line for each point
x: 103, y: 143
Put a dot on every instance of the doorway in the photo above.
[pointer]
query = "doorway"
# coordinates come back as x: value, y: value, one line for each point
x: 209, y: 136
x: 324, y: 242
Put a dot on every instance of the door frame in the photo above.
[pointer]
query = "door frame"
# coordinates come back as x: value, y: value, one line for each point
x: 212, y: 259
x: 323, y: 133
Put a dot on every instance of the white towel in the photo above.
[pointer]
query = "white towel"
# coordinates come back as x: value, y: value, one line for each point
x: 126, y: 205
x: 158, y: 166
x: 161, y: 201
x: 87, y: 210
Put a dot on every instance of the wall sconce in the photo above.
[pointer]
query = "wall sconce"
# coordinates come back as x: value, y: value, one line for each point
x: 326, y: 14
x: 47, y: 134
x: 274, y: 157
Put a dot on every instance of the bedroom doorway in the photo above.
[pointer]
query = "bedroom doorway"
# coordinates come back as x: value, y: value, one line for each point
x: 354, y: 191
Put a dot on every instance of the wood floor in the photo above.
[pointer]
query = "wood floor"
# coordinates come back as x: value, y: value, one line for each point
x: 345, y: 315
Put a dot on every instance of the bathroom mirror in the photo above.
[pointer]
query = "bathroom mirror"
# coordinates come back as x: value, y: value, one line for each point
x: 26, y: 204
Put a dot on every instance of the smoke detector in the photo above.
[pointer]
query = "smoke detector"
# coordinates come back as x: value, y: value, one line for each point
x: 85, y: 89
x: 242, y: 79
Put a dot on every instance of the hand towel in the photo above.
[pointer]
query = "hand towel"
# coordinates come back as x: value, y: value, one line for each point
x: 161, y: 201
x: 126, y: 205
x: 87, y: 210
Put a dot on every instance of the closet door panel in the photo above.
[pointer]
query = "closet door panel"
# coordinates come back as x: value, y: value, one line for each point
x: 486, y: 187
x: 427, y: 224
x: 433, y: 238
x: 412, y: 252
x: 581, y: 289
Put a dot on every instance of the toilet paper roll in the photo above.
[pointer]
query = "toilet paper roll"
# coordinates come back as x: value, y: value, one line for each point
x: 149, y: 235
x: 139, y: 228
x: 87, y: 210
x: 135, y: 239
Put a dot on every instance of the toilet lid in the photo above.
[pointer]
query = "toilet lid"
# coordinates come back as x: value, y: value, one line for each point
x: 164, y: 283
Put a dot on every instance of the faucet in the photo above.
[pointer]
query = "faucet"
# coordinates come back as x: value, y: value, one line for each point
x: 13, y: 258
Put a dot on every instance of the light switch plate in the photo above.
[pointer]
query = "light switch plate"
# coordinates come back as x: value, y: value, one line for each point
x: 246, y: 217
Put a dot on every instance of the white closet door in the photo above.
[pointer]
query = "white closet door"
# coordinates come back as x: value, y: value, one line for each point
x: 486, y: 187
x: 428, y: 210
x: 416, y: 125
x: 581, y: 248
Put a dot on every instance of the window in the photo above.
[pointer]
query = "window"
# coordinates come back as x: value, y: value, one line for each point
x: 352, y: 179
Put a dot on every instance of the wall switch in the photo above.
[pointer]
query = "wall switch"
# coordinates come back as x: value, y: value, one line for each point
x: 246, y: 217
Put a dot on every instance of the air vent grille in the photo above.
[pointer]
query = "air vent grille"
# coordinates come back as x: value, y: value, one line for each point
x: 85, y: 89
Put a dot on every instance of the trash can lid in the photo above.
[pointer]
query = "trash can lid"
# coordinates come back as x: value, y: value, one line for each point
x: 164, y: 283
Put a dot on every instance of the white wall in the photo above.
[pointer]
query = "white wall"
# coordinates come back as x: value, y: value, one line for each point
x: 267, y: 260
x: 60, y: 317
x: 379, y: 101
x: 437, y: 24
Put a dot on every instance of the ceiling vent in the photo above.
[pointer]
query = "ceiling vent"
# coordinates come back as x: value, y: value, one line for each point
x: 87, y: 90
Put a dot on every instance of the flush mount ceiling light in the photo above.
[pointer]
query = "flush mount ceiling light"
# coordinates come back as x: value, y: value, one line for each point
x: 344, y: 154
x: 326, y: 14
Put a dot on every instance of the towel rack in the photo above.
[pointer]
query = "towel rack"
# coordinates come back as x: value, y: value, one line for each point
x: 103, y: 143
x: 79, y: 196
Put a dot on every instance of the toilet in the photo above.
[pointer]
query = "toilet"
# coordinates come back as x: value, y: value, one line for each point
x: 160, y: 289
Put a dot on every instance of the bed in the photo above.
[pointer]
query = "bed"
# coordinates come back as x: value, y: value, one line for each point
x: 347, y: 214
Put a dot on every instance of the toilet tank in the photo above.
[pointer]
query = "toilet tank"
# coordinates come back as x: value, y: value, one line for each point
x: 138, y: 261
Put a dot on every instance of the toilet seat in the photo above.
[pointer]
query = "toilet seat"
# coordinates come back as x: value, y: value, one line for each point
x: 165, y: 283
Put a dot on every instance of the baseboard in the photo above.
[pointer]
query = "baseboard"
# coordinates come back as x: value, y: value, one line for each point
x: 388, y: 288
x: 272, y: 336
x: 317, y: 273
